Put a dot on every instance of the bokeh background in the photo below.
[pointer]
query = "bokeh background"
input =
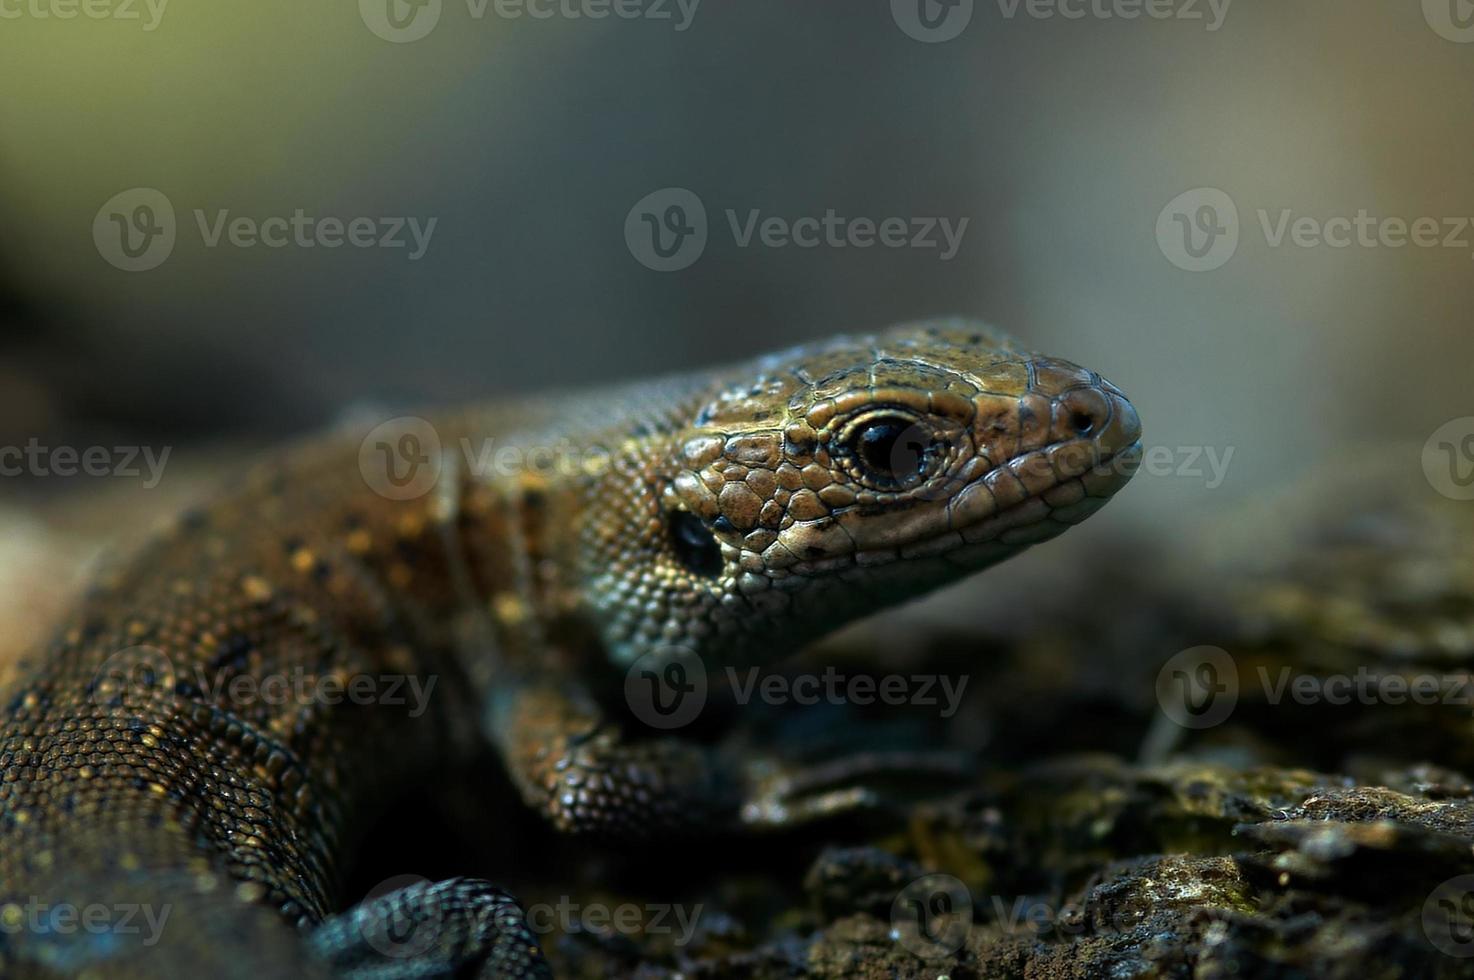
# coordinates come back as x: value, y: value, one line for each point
x: 528, y: 140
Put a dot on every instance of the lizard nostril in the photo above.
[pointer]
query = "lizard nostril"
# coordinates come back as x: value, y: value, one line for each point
x: 1082, y: 413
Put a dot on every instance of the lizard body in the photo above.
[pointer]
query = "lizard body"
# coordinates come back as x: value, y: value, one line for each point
x: 150, y: 758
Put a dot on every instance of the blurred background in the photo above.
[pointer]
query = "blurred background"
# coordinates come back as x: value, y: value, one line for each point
x: 1125, y: 179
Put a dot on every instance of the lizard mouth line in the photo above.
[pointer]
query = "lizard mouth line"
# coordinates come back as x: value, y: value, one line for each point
x: 1097, y: 484
x: 1033, y: 519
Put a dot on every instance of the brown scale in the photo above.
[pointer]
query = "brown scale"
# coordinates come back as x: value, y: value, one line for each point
x: 728, y: 517
x: 288, y: 578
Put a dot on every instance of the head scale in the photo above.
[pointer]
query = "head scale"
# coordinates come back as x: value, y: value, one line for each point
x: 825, y: 482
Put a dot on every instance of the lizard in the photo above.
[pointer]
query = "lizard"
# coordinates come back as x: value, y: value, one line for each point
x: 683, y: 524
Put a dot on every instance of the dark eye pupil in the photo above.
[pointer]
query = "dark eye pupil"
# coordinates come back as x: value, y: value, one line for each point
x: 694, y: 544
x: 892, y: 448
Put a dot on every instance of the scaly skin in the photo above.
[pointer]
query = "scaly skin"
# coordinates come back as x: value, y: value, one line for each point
x: 710, y: 520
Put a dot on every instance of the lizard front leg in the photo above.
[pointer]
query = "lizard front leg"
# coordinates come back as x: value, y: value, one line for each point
x: 574, y: 764
x: 593, y: 773
x: 733, y: 522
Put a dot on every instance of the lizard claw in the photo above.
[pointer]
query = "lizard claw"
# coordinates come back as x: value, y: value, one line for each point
x: 782, y: 796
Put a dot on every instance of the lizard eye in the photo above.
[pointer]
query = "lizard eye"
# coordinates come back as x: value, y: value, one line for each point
x: 887, y: 450
x: 694, y: 544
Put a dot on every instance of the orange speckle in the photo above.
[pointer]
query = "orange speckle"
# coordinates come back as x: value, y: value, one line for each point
x: 257, y: 588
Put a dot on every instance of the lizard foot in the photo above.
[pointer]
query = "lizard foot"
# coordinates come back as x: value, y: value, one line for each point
x: 460, y: 927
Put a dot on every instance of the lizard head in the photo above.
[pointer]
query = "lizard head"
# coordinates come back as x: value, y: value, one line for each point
x: 819, y: 484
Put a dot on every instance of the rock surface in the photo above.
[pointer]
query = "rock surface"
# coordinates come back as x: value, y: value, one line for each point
x: 1250, y: 758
